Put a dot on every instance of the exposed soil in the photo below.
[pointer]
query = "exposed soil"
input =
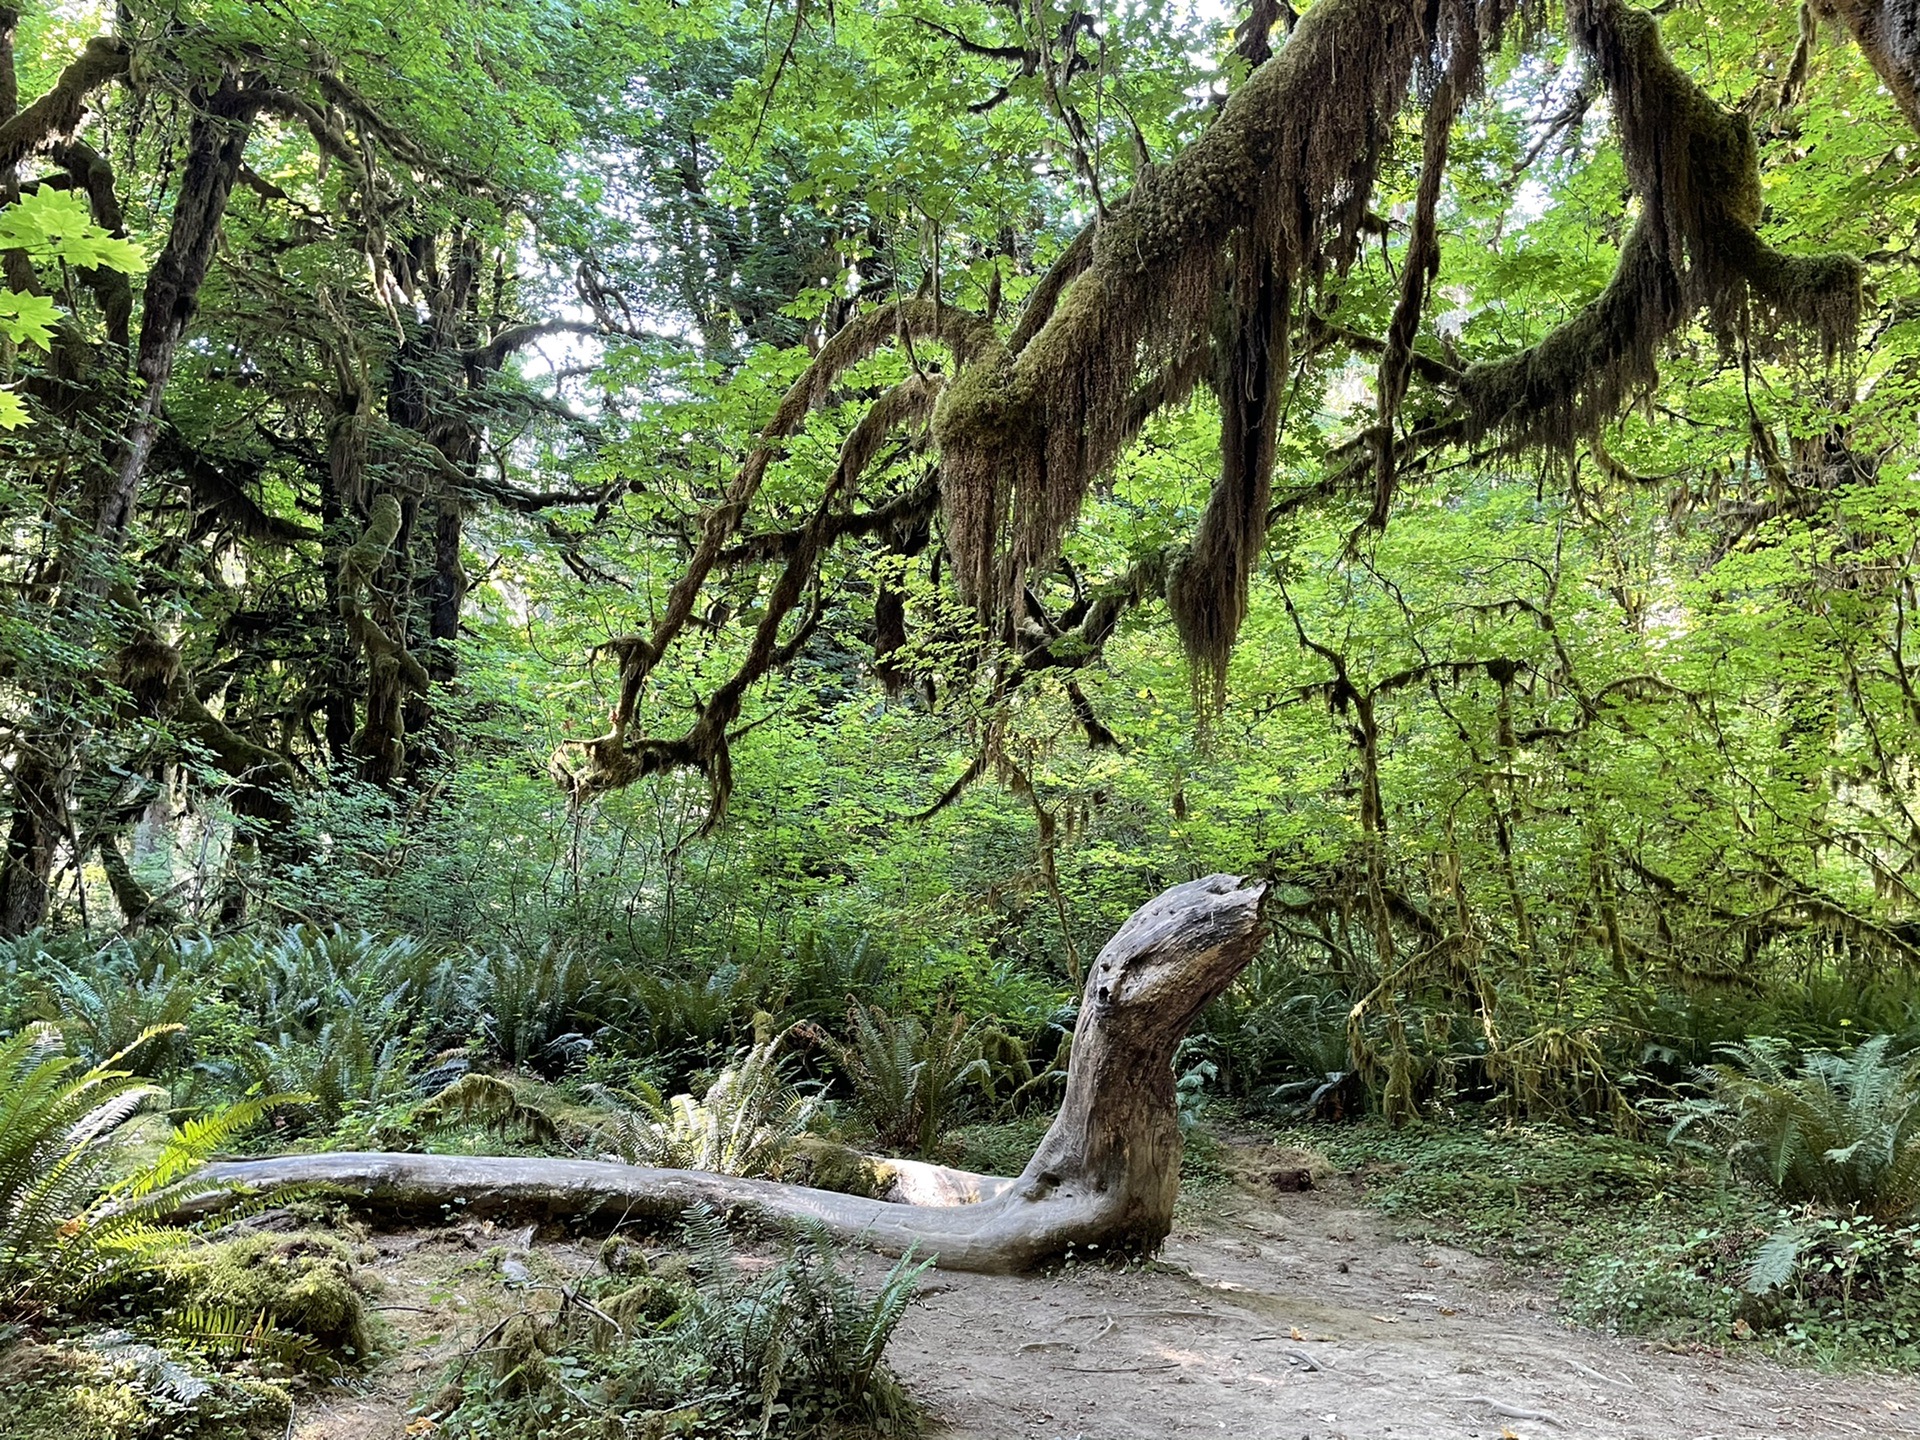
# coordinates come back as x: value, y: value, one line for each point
x: 1270, y: 1316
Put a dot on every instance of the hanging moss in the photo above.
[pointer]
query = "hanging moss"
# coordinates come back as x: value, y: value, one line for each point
x: 1208, y: 589
x: 1694, y: 248
x: 1284, y: 175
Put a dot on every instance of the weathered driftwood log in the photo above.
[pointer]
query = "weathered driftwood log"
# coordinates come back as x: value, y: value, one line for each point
x: 1103, y: 1179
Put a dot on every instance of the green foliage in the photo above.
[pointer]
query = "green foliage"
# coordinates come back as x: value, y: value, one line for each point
x: 749, y: 1118
x: 77, y: 1205
x: 55, y: 225
x: 998, y: 1149
x: 111, y: 1387
x: 530, y: 1007
x: 290, y: 1299
x: 914, y: 1079
x: 491, y: 1103
x: 1278, y: 1029
x: 696, y: 1016
x: 106, y: 1006
x: 51, y: 225
x: 349, y: 1063
x: 792, y: 1349
x: 1841, y: 1131
x: 1644, y: 1241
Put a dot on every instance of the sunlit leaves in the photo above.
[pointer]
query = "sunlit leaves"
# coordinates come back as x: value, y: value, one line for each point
x: 54, y: 224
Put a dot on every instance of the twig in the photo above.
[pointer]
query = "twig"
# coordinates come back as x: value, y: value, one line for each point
x: 1512, y: 1412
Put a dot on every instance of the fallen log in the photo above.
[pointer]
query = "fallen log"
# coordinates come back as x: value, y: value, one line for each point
x: 1103, y: 1179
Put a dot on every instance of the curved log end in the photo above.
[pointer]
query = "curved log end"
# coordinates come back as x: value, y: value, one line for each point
x: 1180, y: 951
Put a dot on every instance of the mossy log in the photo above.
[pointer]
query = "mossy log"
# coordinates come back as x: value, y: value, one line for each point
x: 1103, y: 1179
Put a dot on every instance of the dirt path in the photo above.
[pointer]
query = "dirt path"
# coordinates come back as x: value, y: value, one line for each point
x: 1269, y: 1317
x: 1300, y: 1317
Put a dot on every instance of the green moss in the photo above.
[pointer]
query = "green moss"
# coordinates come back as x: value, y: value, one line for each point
x: 620, y: 1256
x: 303, y: 1282
x: 383, y: 528
x: 650, y: 1302
x: 828, y: 1165
x: 69, y: 1392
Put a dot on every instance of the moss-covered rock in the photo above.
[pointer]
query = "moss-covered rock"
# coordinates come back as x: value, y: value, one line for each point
x: 303, y: 1283
x: 649, y: 1302
x: 621, y: 1256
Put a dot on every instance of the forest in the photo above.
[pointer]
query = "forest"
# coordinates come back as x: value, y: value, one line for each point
x: 705, y: 709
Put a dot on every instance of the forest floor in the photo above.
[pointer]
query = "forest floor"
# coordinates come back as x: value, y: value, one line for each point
x: 1269, y: 1316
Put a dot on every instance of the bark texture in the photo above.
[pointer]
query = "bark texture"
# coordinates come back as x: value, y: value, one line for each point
x: 1104, y: 1177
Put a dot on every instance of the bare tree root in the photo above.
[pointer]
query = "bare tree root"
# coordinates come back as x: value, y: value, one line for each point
x: 1104, y: 1178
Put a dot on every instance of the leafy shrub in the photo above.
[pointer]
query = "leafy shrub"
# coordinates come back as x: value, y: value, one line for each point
x: 493, y: 1103
x: 745, y: 1123
x: 299, y: 980
x: 823, y: 974
x: 1002, y: 1148
x: 794, y: 1351
x: 1194, y: 1075
x: 1823, y: 1010
x: 1841, y: 1131
x: 112, y: 1387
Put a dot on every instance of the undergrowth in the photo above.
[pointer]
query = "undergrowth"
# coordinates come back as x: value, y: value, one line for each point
x: 717, y: 1349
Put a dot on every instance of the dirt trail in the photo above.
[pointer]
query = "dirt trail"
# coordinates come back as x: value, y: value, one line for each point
x: 1268, y: 1317
x: 1278, y: 1317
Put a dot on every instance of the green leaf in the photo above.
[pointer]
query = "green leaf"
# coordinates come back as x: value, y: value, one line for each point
x: 56, y: 225
x: 27, y: 319
x: 1775, y: 1261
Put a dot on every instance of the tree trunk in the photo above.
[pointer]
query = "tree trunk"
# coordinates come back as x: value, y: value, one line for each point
x: 34, y: 837
x: 1888, y: 33
x: 1103, y: 1180
x: 92, y: 541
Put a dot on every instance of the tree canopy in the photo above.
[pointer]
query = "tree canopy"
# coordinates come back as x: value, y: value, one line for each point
x: 661, y: 472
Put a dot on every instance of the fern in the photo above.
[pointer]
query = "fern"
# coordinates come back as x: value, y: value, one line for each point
x: 792, y: 1349
x: 698, y: 1015
x: 1776, y: 1261
x: 746, y: 1123
x: 75, y: 1213
x: 107, y: 1006
x: 912, y: 1080
x: 1840, y: 1131
x: 531, y: 1004
x: 230, y: 1333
